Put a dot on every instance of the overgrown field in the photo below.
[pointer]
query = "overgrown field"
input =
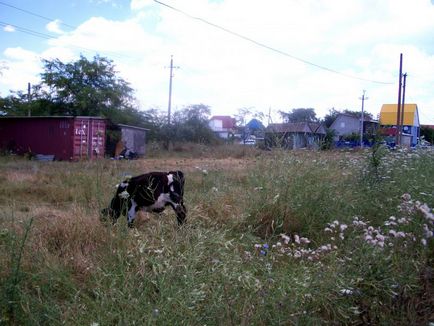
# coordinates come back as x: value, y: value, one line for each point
x: 272, y: 238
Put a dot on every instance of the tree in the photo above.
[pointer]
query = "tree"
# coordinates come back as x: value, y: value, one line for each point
x: 427, y: 133
x: 191, y: 124
x: 330, y: 117
x: 86, y: 87
x: 299, y: 115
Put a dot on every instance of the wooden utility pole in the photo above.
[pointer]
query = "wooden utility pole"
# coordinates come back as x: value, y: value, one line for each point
x: 362, y: 117
x: 401, y: 120
x: 398, y: 117
x: 169, y: 109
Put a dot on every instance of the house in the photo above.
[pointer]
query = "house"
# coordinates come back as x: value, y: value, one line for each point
x: 223, y: 126
x: 60, y: 137
x: 252, y: 132
x: 411, y: 126
x: 295, y: 135
x: 346, y: 125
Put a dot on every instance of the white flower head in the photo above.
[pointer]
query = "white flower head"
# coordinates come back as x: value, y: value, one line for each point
x: 124, y: 194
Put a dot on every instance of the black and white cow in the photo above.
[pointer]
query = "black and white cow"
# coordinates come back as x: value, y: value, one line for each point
x: 150, y: 192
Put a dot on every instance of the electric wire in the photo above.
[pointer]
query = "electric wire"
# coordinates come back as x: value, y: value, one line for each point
x: 51, y: 37
x: 263, y: 45
x: 35, y: 14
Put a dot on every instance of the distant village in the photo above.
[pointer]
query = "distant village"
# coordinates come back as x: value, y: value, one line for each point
x: 77, y: 137
x: 347, y: 130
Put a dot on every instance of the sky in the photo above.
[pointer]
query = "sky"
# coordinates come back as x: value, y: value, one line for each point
x: 267, y: 56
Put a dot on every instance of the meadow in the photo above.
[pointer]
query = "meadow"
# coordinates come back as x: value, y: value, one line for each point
x: 272, y: 238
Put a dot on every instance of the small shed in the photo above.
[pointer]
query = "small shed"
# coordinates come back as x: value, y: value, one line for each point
x: 295, y: 135
x: 62, y: 137
x: 134, y: 138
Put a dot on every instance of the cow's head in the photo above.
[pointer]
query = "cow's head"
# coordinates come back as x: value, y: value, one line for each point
x: 177, y: 193
x: 117, y: 204
x: 176, y: 183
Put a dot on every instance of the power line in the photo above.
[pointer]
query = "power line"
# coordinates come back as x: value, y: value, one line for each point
x: 35, y: 14
x: 49, y: 37
x: 263, y: 45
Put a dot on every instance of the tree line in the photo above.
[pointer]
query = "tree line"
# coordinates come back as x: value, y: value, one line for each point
x: 93, y: 88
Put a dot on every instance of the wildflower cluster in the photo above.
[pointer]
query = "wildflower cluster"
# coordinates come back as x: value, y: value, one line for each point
x: 391, y: 233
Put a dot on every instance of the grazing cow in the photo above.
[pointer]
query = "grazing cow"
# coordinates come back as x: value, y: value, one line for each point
x: 150, y: 192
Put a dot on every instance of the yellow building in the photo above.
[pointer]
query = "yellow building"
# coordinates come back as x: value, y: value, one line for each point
x: 411, y: 125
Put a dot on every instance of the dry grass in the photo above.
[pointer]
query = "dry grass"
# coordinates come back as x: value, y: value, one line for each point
x: 77, y: 271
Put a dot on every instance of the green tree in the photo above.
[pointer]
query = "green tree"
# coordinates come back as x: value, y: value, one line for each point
x: 191, y: 124
x: 330, y: 117
x: 427, y: 133
x: 86, y: 87
x: 299, y: 115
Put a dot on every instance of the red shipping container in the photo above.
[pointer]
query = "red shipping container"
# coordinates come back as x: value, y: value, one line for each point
x: 67, y: 138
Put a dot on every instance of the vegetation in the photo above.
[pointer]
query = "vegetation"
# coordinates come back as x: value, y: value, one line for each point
x: 272, y: 238
x: 299, y: 115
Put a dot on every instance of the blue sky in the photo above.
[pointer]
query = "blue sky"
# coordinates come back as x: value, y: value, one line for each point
x: 274, y: 55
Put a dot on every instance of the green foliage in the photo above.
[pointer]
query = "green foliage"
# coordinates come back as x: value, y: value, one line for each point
x: 299, y: 115
x: 86, y: 87
x: 190, y: 125
x: 328, y: 140
x: 428, y: 134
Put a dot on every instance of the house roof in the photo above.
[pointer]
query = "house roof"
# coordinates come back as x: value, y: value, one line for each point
x: 255, y: 124
x: 388, y: 115
x: 303, y: 127
x: 366, y: 118
x: 227, y: 121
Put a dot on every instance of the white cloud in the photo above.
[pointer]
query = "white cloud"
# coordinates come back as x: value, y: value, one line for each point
x: 23, y: 67
x: 54, y: 27
x: 9, y: 28
x: 140, y: 4
x: 360, y: 38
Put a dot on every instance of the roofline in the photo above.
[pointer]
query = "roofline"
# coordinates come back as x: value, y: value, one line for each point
x: 133, y: 127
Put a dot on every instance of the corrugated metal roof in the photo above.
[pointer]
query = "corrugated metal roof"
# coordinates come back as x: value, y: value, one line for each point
x: 132, y: 127
x: 388, y: 115
x: 302, y: 127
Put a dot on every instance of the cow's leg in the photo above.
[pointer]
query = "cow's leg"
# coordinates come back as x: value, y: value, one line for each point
x: 132, y: 213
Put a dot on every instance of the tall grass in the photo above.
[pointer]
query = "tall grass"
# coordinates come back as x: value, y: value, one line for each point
x: 289, y: 238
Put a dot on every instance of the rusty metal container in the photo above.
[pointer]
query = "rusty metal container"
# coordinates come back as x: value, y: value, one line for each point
x: 67, y: 138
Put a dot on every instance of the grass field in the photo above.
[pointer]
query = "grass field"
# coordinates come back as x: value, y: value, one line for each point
x: 272, y: 238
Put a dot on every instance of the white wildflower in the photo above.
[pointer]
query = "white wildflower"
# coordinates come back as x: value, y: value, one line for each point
x: 286, y: 239
x: 343, y: 227
x: 296, y: 239
x: 400, y: 234
x: 346, y: 291
x: 124, y: 194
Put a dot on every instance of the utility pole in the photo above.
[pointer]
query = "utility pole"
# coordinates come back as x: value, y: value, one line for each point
x: 169, y: 109
x: 401, y: 120
x: 28, y: 99
x: 398, y: 129
x: 363, y: 98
